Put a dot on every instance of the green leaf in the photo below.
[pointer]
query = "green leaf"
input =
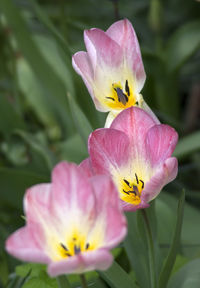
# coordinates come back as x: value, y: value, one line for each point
x: 182, y: 45
x: 46, y: 155
x: 42, y: 283
x: 10, y: 119
x: 13, y: 184
x: 45, y: 72
x: 30, y: 268
x: 73, y: 149
x: 137, y: 251
x: 171, y: 257
x: 116, y: 277
x: 186, y: 277
x: 63, y: 282
x: 187, y: 145
x: 81, y: 122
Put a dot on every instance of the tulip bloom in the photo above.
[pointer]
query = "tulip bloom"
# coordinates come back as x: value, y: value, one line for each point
x: 71, y: 223
x: 136, y: 153
x: 112, y: 68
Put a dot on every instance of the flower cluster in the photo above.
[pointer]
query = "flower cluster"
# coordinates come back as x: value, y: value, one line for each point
x: 73, y: 222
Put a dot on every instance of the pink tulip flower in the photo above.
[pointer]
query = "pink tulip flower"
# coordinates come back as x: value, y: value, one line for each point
x: 136, y: 153
x: 112, y: 68
x: 71, y: 223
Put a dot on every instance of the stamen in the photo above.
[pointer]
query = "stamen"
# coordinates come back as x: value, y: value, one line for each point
x: 87, y: 246
x: 127, y: 183
x: 127, y: 88
x: 121, y: 96
x: 110, y: 98
x: 127, y: 192
x: 136, y: 178
x: 142, y: 183
x: 136, y: 103
x: 64, y: 247
x: 77, y: 249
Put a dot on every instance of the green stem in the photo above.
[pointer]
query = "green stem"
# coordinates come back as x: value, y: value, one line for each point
x: 150, y: 250
x: 83, y: 281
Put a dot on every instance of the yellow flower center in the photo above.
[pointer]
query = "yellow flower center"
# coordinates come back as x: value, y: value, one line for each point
x: 131, y: 190
x: 121, y: 97
x: 74, y: 246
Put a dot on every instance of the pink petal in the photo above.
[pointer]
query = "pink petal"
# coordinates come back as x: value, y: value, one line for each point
x: 83, y: 67
x: 164, y: 174
x: 99, y: 259
x: 135, y: 122
x: 122, y: 32
x: 107, y: 147
x: 22, y: 245
x: 85, y: 165
x: 70, y: 188
x: 109, y: 209
x: 160, y: 143
x: 130, y: 207
x: 102, y: 49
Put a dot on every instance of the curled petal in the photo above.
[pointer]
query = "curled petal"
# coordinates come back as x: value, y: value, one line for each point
x: 102, y: 49
x: 85, y: 165
x: 99, y: 259
x: 83, y: 67
x: 122, y: 32
x: 166, y: 173
x: 108, y: 204
x: 108, y: 148
x: 22, y: 245
x: 161, y: 141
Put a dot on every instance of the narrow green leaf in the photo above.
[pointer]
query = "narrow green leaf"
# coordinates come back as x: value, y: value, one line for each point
x: 187, y: 145
x: 63, y: 282
x: 182, y: 45
x: 43, y: 69
x: 116, y: 277
x: 186, y: 277
x: 12, y: 192
x: 10, y: 119
x: 171, y: 257
x: 81, y: 122
x: 43, y: 151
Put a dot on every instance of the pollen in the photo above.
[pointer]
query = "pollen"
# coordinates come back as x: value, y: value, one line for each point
x: 131, y: 190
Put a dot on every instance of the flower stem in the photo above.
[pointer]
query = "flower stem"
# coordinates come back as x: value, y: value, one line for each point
x: 150, y: 250
x: 83, y: 281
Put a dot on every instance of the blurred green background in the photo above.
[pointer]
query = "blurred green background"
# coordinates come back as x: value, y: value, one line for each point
x: 47, y: 114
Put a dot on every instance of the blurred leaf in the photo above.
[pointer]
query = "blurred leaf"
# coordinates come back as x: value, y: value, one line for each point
x: 42, y: 283
x: 171, y: 257
x: 73, y: 149
x: 182, y: 45
x: 63, y: 282
x: 32, y: 268
x: 46, y: 155
x: 187, y: 145
x: 81, y: 122
x: 13, y: 184
x: 116, y: 277
x: 134, y: 244
x: 186, y: 277
x: 45, y: 71
x: 10, y: 119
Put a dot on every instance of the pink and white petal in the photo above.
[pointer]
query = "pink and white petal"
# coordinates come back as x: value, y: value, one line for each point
x: 161, y: 141
x: 71, y: 189
x: 123, y: 33
x: 109, y: 210
x: 37, y: 202
x: 166, y: 173
x: 83, y: 67
x: 22, y: 245
x: 135, y: 123
x: 85, y: 165
x: 130, y: 207
x: 102, y: 49
x: 108, y: 148
x: 99, y: 259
